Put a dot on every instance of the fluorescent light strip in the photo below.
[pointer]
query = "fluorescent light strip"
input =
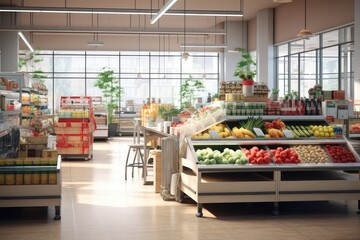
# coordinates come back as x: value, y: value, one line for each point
x: 26, y: 41
x: 95, y: 44
x: 205, y: 13
x: 163, y: 10
x: 200, y: 13
x: 203, y: 46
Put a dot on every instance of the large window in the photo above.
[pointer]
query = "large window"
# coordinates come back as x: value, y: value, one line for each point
x: 142, y: 75
x: 324, y: 59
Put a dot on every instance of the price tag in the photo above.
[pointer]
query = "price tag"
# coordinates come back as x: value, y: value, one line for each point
x: 288, y: 133
x: 258, y: 132
x: 214, y: 134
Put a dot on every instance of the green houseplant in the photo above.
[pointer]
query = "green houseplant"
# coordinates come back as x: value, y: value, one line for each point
x: 110, y: 86
x: 189, y: 90
x: 274, y: 94
x: 244, y: 70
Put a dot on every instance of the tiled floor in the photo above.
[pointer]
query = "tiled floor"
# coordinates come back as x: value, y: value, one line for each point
x: 98, y: 203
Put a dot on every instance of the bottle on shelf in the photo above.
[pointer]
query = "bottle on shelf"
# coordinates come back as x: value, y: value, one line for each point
x: 318, y: 106
x: 302, y: 107
x: 313, y: 106
x: 208, y: 98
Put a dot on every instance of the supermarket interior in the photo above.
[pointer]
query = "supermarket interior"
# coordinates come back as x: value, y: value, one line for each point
x: 180, y: 119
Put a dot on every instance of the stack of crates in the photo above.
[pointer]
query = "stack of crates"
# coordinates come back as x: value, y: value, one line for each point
x: 74, y: 137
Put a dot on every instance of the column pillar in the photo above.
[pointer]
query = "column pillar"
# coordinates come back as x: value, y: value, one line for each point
x: 9, y: 48
x: 236, y: 38
x: 9, y: 44
x: 356, y: 63
x: 265, y: 47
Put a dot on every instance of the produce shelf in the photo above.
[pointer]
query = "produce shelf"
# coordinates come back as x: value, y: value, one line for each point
x: 243, y: 182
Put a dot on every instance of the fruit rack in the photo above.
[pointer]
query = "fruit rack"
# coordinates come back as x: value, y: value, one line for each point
x: 75, y: 128
x: 230, y: 169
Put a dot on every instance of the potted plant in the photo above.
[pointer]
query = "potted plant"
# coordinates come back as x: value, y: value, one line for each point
x: 111, y: 90
x: 215, y: 97
x: 189, y: 90
x: 244, y: 71
x: 274, y: 94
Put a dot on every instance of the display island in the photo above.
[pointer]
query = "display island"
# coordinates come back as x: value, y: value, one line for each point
x: 234, y: 167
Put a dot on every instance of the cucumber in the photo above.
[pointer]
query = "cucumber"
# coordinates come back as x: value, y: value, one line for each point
x: 301, y: 131
x: 305, y: 131
x: 293, y: 128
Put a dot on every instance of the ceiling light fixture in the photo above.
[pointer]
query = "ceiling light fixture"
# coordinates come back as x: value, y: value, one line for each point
x: 204, y: 45
x: 282, y: 1
x: 163, y: 10
x: 185, y: 55
x: 199, y: 13
x: 305, y: 33
x: 95, y: 42
x: 26, y: 41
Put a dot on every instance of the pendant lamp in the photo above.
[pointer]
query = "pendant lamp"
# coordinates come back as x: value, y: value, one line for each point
x: 305, y: 33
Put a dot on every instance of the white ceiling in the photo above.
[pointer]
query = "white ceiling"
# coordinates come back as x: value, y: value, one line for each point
x: 42, y: 28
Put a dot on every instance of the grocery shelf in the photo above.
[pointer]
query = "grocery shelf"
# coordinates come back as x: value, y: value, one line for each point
x: 282, y: 117
x: 268, y: 141
x: 10, y: 113
x: 5, y: 132
x: 354, y: 135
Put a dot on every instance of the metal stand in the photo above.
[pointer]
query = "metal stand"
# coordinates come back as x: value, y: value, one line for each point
x: 170, y: 164
x: 199, y: 210
x: 57, y: 213
x: 275, y: 212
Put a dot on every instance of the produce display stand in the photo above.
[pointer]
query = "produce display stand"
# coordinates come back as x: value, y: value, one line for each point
x: 275, y: 183
x: 75, y: 128
x: 18, y: 187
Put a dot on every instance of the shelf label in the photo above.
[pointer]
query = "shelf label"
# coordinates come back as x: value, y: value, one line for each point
x: 259, y: 132
x: 214, y: 134
x: 288, y: 133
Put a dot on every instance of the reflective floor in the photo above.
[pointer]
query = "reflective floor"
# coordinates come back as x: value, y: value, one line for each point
x: 97, y: 203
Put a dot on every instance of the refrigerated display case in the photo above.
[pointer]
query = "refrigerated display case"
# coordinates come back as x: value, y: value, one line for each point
x: 274, y: 181
x: 101, y: 119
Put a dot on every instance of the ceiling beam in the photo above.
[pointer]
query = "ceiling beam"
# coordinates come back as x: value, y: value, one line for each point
x: 63, y: 10
x: 158, y: 31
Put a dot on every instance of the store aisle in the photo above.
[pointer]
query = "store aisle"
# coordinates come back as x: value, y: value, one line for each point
x: 97, y: 204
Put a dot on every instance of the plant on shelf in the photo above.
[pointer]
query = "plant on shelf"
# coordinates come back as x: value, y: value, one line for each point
x: 274, y: 94
x: 166, y: 112
x: 215, y: 97
x: 244, y: 67
x: 189, y: 91
x: 110, y: 86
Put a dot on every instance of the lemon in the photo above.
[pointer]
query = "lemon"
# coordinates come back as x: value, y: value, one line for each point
x: 315, y: 128
x: 326, y: 130
x: 327, y: 135
x: 332, y: 134
x: 331, y: 130
x: 321, y: 134
x: 321, y: 130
